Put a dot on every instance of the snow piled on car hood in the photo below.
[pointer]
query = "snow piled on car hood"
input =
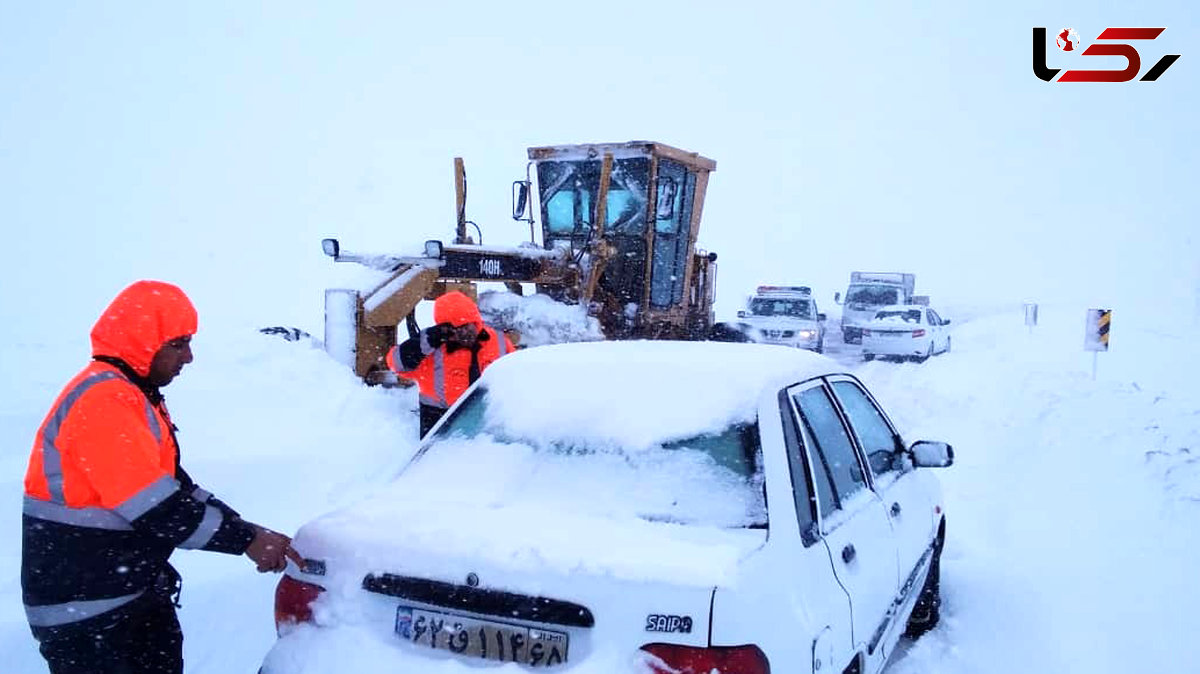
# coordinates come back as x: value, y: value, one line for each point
x: 510, y: 506
x: 636, y: 394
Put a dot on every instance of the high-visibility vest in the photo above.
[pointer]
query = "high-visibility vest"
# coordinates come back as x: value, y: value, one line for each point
x: 443, y: 376
x: 104, y: 446
x: 105, y: 500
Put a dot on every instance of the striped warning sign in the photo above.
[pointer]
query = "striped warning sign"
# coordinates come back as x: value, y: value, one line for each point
x: 1099, y: 322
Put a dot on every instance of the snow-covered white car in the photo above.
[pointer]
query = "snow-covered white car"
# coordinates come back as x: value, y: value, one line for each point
x: 906, y: 331
x: 632, y: 507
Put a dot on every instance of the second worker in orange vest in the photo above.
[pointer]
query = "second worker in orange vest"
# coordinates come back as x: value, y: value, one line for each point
x: 448, y: 357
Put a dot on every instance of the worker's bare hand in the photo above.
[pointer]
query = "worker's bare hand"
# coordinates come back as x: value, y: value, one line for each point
x: 270, y: 550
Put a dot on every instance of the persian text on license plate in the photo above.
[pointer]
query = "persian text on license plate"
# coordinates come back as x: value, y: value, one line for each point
x: 486, y: 639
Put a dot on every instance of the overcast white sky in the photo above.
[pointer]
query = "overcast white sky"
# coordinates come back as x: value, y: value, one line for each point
x: 183, y: 139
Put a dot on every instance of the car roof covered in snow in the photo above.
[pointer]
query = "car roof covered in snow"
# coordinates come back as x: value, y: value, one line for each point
x: 637, y: 393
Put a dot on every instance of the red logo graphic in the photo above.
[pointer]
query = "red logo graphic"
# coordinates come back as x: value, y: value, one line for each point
x: 1068, y: 40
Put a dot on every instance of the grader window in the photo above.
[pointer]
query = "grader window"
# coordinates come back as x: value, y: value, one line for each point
x: 671, y: 233
x: 566, y: 211
x: 569, y: 196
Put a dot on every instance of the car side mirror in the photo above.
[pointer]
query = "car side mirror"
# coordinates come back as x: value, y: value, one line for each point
x: 927, y: 454
x: 821, y: 317
x: 741, y: 314
x: 837, y: 298
x: 945, y: 321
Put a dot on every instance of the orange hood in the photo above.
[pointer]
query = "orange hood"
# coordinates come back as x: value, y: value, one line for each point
x: 140, y: 320
x: 456, y: 309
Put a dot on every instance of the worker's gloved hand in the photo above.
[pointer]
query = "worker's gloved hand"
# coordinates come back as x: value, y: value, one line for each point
x: 439, y: 334
x: 270, y: 550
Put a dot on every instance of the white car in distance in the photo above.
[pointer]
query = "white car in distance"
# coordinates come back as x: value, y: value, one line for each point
x: 614, y: 507
x: 906, y: 331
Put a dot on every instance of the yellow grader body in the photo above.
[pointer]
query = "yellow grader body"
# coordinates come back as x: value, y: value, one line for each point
x: 619, y: 223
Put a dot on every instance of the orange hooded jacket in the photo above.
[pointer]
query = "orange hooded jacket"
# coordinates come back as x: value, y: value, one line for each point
x: 443, y: 375
x: 105, y: 498
x: 105, y: 440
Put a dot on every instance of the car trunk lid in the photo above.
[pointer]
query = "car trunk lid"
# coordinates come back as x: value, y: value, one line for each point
x: 574, y: 585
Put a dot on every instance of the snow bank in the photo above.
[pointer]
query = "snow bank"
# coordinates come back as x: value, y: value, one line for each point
x: 1071, y: 512
x: 538, y: 319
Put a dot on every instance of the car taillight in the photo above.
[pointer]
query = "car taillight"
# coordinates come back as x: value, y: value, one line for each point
x: 918, y: 333
x: 748, y: 659
x: 293, y: 601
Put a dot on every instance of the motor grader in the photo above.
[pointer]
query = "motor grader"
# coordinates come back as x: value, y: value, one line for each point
x: 619, y: 223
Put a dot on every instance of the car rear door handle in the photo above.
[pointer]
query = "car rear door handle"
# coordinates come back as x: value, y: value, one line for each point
x: 848, y: 553
x: 895, y: 510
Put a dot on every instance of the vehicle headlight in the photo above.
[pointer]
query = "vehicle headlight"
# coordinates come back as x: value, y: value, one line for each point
x: 808, y: 334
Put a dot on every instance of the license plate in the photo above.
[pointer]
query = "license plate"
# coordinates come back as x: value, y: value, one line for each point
x: 484, y: 639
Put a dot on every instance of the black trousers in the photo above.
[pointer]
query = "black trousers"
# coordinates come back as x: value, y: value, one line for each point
x: 429, y: 417
x: 145, y: 639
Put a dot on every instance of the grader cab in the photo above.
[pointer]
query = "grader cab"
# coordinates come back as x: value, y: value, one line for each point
x: 619, y: 223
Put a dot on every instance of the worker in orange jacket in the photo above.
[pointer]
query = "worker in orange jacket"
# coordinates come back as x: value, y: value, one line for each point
x: 107, y: 501
x: 448, y: 357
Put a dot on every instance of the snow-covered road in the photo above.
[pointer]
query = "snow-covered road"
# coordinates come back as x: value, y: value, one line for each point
x: 1073, y: 507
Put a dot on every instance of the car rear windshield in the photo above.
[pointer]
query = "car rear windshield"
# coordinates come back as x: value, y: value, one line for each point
x: 906, y: 315
x: 712, y: 479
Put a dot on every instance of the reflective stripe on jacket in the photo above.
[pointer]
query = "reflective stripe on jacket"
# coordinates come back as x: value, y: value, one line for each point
x: 103, y: 508
x: 105, y: 499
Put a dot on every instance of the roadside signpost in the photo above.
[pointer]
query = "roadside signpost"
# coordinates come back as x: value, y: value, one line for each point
x: 1096, y: 333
